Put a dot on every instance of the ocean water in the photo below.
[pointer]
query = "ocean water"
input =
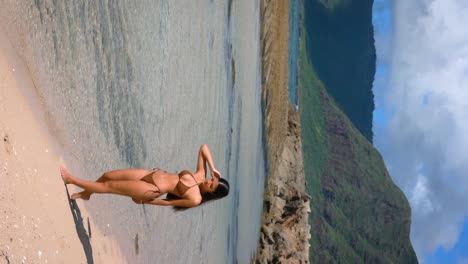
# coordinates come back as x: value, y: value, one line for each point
x: 293, y: 50
x: 144, y: 84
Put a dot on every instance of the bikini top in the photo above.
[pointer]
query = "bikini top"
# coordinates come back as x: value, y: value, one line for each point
x: 182, y: 185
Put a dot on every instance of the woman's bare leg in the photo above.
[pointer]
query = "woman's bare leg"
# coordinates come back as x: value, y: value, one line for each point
x: 115, y: 175
x: 132, y: 188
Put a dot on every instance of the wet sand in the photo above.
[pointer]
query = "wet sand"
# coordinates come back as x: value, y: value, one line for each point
x: 38, y: 222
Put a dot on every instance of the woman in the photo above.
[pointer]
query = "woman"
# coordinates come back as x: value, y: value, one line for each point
x: 145, y: 186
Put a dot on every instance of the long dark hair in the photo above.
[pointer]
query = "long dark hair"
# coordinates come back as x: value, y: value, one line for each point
x: 220, y: 192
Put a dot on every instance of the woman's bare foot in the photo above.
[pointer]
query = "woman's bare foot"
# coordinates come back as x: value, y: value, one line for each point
x: 66, y: 176
x: 81, y: 195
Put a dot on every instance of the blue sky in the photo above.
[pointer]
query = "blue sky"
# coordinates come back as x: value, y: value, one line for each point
x: 421, y: 118
x: 458, y: 254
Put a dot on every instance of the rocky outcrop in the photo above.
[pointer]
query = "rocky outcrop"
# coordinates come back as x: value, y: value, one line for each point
x: 285, y: 232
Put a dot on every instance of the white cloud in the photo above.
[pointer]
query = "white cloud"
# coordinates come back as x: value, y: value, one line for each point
x: 419, y: 199
x: 426, y: 141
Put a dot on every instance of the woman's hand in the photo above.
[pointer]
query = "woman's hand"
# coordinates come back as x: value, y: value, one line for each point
x: 215, y: 173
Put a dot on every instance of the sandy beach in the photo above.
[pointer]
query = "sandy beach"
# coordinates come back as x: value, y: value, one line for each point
x: 130, y: 85
x: 38, y: 222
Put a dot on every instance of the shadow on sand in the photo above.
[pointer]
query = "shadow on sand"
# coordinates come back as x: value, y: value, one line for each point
x: 80, y: 229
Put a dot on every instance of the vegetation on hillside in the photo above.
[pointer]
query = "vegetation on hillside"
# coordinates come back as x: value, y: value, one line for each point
x: 358, y: 214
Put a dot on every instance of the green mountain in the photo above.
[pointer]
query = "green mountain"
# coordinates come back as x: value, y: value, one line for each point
x: 343, y: 54
x: 358, y: 215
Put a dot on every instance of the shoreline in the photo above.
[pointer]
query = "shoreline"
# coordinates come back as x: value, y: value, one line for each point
x: 285, y: 232
x: 35, y: 222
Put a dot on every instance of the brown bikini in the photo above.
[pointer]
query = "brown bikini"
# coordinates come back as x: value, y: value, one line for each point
x: 149, y: 179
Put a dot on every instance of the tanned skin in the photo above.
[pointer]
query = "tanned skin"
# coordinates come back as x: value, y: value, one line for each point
x: 138, y: 183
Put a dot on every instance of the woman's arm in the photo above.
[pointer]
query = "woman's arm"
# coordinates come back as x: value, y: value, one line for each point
x: 204, y: 156
x: 178, y: 202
